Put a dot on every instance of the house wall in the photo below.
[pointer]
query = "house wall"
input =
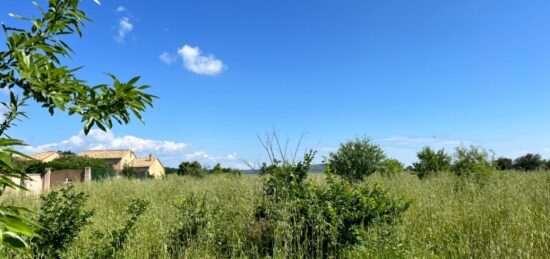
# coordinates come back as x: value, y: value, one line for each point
x: 125, y: 160
x: 156, y: 169
x: 34, y: 184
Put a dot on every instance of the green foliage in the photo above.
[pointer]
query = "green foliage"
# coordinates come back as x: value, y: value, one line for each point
x: 529, y: 162
x: 391, y: 167
x: 504, y: 164
x: 474, y: 161
x: 129, y: 172
x: 356, y: 159
x: 431, y: 162
x: 31, y: 69
x: 62, y: 216
x: 192, y: 168
x: 301, y: 219
x: 119, y: 237
x: 192, y: 218
x: 218, y: 169
x: 100, y: 168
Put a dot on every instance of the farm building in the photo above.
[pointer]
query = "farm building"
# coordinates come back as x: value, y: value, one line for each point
x: 119, y: 159
x: 45, y: 157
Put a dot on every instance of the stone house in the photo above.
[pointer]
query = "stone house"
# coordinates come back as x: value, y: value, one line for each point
x: 147, y: 166
x: 45, y: 157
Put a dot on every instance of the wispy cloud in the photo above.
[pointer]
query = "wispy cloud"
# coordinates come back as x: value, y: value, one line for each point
x: 195, y: 62
x: 121, y: 9
x: 167, y: 58
x: 125, y: 26
x: 171, y: 153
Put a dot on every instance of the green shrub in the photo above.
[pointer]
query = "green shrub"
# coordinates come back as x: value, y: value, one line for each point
x: 430, y: 162
x: 192, y: 218
x: 62, y: 216
x: 356, y: 159
x: 504, y: 164
x: 299, y: 219
x: 105, y: 248
x: 191, y: 168
x: 529, y: 162
x: 391, y: 167
x: 472, y: 161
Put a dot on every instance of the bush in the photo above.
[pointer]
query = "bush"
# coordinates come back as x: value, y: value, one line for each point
x: 356, y: 159
x: 391, y: 167
x: 504, y: 164
x: 430, y: 162
x: 529, y: 162
x: 62, y: 216
x: 472, y: 161
x: 191, y: 168
x: 112, y: 248
x: 299, y: 219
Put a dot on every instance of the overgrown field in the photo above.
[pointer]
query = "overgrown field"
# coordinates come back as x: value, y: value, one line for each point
x: 449, y: 217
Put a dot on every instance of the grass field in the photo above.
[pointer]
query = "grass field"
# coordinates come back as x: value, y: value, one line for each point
x: 507, y: 217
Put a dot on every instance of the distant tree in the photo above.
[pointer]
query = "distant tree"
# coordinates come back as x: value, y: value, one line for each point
x: 504, y: 164
x: 356, y: 159
x: 529, y: 162
x: 217, y: 169
x: 191, y: 168
x: 391, y: 166
x: 430, y: 162
x: 471, y: 161
x: 170, y: 170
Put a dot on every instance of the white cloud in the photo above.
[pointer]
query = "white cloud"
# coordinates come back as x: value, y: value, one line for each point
x: 197, y: 63
x: 167, y: 58
x: 171, y: 153
x: 124, y: 27
x: 121, y: 9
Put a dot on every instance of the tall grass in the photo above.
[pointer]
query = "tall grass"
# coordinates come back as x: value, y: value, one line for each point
x: 507, y: 216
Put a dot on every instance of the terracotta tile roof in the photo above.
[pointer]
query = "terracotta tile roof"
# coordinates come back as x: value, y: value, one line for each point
x: 44, y: 155
x: 143, y: 162
x: 105, y: 154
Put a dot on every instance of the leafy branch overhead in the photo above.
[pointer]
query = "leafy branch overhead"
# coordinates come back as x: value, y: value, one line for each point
x: 32, y: 63
x: 31, y: 68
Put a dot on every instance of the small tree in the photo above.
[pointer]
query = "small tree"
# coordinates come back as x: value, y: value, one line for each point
x: 391, y: 167
x: 529, y: 162
x: 356, y: 159
x: 62, y: 216
x: 31, y: 68
x: 504, y: 163
x: 472, y: 161
x: 191, y: 168
x: 430, y: 162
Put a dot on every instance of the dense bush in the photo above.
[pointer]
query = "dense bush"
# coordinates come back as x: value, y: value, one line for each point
x: 504, y: 163
x: 391, y: 167
x: 299, y: 219
x: 356, y: 159
x: 192, y: 168
x: 529, y: 162
x: 471, y: 161
x: 62, y: 216
x: 430, y: 162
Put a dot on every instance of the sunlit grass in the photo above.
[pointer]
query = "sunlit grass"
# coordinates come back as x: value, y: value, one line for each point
x: 507, y: 216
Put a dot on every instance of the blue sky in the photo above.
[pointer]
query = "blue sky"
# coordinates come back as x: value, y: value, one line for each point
x: 404, y: 73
